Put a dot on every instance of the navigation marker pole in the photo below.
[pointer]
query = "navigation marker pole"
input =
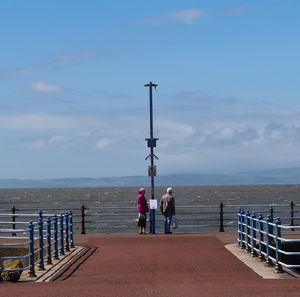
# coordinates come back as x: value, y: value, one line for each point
x: 151, y: 169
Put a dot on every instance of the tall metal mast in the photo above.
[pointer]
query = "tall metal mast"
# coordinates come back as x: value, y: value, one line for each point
x: 151, y: 144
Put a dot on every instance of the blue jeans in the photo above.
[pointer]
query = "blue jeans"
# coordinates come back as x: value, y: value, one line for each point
x: 168, y: 220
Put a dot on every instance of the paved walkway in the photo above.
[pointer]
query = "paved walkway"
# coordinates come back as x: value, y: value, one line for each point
x: 177, y: 265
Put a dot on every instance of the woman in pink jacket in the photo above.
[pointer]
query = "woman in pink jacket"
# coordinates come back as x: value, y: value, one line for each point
x: 142, y: 208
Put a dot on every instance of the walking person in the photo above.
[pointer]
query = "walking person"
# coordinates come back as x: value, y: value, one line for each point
x: 167, y: 207
x: 142, y: 208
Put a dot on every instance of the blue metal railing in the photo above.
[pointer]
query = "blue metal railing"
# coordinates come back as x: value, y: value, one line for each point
x: 269, y: 239
x: 52, y: 239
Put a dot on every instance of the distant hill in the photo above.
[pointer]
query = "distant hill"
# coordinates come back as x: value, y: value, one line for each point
x: 283, y: 175
x: 276, y: 176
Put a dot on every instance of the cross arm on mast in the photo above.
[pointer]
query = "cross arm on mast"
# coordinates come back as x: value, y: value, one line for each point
x: 148, y: 85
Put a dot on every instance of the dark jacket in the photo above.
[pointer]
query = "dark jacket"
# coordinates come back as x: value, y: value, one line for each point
x: 167, y: 204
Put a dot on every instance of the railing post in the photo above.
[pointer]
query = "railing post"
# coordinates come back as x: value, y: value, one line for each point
x: 55, y: 231
x: 61, y: 229
x: 40, y: 214
x: 248, y: 247
x: 261, y: 237
x: 67, y: 232
x: 278, y: 267
x: 41, y: 242
x: 269, y: 241
x: 271, y: 213
x: 243, y: 228
x: 221, y: 217
x: 292, y: 215
x: 48, y: 232
x: 71, y: 228
x: 13, y: 218
x: 31, y: 250
x: 83, y: 219
x: 253, y: 252
x: 239, y: 227
x: 271, y: 218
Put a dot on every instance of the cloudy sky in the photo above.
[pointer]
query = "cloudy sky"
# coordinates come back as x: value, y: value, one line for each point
x: 73, y: 101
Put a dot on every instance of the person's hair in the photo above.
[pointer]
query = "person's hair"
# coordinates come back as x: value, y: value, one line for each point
x: 142, y: 190
x: 169, y: 190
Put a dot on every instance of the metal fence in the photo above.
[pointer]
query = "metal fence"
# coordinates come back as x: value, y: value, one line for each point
x: 42, y: 240
x: 197, y: 218
x: 273, y: 242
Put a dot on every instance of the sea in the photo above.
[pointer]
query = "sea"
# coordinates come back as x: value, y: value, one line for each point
x: 114, y: 209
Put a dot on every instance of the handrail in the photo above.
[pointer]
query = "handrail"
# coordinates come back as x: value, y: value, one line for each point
x: 101, y: 218
x: 218, y: 217
x: 263, y: 238
x: 62, y: 242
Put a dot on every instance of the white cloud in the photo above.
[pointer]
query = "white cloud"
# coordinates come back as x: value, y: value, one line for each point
x: 235, y: 138
x: 177, y: 131
x: 44, y: 121
x: 189, y: 15
x: 57, y: 139
x: 236, y: 9
x: 201, y: 97
x: 45, y: 88
x: 73, y: 57
x: 230, y: 135
x: 102, y: 143
x: 196, y: 139
x: 85, y: 134
x: 38, y: 144
x: 227, y: 133
x: 12, y: 72
x: 186, y: 16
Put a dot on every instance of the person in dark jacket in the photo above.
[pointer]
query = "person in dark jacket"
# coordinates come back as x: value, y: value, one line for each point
x: 142, y: 208
x: 167, y: 207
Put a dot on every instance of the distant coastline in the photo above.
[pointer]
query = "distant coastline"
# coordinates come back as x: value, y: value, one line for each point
x: 267, y: 177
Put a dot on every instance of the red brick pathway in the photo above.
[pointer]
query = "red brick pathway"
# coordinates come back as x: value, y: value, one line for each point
x: 181, y: 265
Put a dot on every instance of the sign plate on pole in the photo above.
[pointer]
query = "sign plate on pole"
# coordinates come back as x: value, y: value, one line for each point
x: 153, y: 204
x: 152, y: 170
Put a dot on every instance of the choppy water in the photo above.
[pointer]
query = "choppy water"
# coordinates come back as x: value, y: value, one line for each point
x: 73, y: 198
x: 192, y: 195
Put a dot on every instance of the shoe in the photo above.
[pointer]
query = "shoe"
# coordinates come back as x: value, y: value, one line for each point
x: 168, y: 232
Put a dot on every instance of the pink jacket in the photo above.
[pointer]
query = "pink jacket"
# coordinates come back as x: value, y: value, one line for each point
x: 142, y: 206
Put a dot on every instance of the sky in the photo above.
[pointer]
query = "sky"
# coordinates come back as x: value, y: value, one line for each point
x: 73, y: 101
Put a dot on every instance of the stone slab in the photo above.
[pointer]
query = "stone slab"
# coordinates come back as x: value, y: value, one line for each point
x: 256, y: 265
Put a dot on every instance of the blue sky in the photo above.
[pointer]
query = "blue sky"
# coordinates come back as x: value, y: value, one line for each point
x: 73, y: 101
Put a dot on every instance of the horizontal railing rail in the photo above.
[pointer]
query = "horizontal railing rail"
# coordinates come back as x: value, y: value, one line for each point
x: 269, y: 239
x: 44, y: 239
x: 198, y: 218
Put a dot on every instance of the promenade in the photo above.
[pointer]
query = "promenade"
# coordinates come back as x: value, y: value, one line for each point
x: 177, y: 265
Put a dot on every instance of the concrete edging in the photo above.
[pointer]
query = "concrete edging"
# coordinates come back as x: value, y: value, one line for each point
x: 258, y: 267
x: 51, y: 270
